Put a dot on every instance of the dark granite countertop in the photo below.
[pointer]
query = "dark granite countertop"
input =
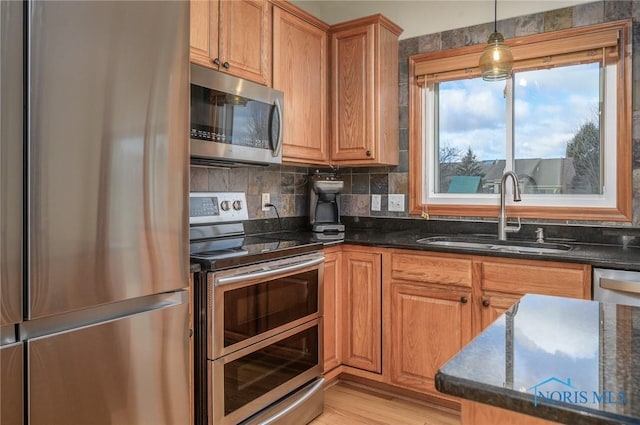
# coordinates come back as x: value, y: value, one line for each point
x: 598, y: 246
x: 194, y: 267
x: 597, y: 255
x: 565, y: 360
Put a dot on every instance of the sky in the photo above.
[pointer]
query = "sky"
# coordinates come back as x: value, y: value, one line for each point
x: 550, y: 106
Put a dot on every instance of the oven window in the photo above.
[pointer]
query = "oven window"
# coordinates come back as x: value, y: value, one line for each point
x: 255, y: 309
x: 255, y: 374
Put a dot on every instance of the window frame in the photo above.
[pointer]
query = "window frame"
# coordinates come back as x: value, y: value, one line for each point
x: 530, y: 52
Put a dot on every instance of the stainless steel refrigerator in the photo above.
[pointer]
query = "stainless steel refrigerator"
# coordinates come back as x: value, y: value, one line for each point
x: 93, y: 212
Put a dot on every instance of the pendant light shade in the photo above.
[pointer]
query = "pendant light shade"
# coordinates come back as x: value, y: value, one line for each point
x: 496, y: 61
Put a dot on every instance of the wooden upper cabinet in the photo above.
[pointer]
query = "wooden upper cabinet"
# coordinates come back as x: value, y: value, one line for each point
x: 300, y: 67
x: 233, y: 36
x: 361, y: 310
x: 364, y: 88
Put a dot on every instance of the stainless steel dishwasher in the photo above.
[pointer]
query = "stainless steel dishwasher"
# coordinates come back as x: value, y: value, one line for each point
x: 616, y: 286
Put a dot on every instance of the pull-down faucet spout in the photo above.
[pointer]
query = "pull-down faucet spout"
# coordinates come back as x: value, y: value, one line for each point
x: 503, y: 228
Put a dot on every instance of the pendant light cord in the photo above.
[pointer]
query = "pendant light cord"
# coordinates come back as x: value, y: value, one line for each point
x: 495, y: 16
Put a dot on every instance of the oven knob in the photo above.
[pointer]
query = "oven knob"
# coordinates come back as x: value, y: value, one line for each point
x: 237, y: 205
x: 225, y: 205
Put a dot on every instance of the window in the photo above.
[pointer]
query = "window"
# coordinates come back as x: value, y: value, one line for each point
x: 562, y: 123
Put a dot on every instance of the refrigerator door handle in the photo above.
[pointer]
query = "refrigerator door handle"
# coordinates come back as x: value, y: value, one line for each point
x: 104, y: 313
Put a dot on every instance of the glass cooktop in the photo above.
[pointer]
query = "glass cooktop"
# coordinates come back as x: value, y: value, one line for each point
x: 234, y: 251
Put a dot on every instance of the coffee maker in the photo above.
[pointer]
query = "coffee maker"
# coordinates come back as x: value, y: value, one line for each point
x: 324, y: 208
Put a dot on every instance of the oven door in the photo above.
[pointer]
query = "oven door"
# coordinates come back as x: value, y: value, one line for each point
x: 251, y: 379
x: 251, y: 303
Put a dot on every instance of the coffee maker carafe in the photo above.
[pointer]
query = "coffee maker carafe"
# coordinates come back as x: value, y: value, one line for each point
x: 324, y: 198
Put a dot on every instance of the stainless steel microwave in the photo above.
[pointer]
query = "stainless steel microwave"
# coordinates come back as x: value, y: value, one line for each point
x: 233, y: 121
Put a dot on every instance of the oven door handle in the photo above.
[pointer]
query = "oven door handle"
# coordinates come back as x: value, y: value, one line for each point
x: 269, y: 272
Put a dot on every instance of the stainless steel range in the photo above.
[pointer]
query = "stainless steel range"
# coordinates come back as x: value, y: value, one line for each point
x: 259, y: 332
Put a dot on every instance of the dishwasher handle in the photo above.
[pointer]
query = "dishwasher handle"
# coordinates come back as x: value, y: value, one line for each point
x: 620, y: 285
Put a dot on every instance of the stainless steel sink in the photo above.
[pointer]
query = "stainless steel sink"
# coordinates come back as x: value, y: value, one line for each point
x: 495, y: 245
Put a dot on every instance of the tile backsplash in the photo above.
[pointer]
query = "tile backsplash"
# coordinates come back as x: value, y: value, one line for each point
x: 286, y: 185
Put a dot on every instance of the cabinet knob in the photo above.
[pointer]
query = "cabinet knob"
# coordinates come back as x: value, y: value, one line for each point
x: 486, y: 303
x: 368, y: 153
x: 464, y: 300
x: 226, y: 65
x: 216, y: 61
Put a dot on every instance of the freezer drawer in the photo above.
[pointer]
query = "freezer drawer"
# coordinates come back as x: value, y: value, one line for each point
x: 11, y: 390
x: 129, y: 371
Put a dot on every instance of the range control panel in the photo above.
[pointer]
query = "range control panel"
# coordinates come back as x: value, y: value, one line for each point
x: 217, y: 207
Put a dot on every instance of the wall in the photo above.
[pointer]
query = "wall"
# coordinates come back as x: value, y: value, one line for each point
x: 361, y: 183
x: 436, y: 15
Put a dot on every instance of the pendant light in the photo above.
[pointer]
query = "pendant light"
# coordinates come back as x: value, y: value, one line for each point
x: 496, y: 61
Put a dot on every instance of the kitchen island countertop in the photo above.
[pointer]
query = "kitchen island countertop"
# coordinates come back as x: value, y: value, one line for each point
x: 565, y: 360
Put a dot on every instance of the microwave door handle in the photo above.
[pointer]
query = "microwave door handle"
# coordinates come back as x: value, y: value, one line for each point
x: 278, y: 146
x: 268, y: 273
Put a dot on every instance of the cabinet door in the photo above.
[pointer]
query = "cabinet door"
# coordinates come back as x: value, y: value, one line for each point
x: 300, y: 71
x: 429, y: 325
x: 494, y: 305
x: 245, y: 39
x: 361, y: 286
x: 353, y: 61
x: 204, y: 32
x: 332, y: 313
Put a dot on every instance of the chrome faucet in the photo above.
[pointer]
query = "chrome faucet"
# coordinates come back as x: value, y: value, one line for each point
x: 503, y: 227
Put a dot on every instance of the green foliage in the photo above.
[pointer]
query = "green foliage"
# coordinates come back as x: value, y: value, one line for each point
x: 469, y: 166
x: 584, y: 149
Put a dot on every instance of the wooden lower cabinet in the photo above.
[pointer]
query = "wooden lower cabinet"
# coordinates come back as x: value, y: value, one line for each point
x: 504, y: 281
x: 394, y: 316
x: 473, y: 413
x: 427, y: 326
x: 332, y: 313
x: 494, y: 305
x: 427, y: 315
x: 361, y: 309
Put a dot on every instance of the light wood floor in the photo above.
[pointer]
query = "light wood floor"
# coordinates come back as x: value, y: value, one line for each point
x: 346, y: 404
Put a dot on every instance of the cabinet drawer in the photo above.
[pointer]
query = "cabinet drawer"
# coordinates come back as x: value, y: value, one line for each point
x: 431, y: 269
x: 566, y: 280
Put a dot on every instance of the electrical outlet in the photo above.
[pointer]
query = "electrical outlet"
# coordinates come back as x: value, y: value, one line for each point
x: 266, y: 198
x: 396, y: 202
x: 376, y: 200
